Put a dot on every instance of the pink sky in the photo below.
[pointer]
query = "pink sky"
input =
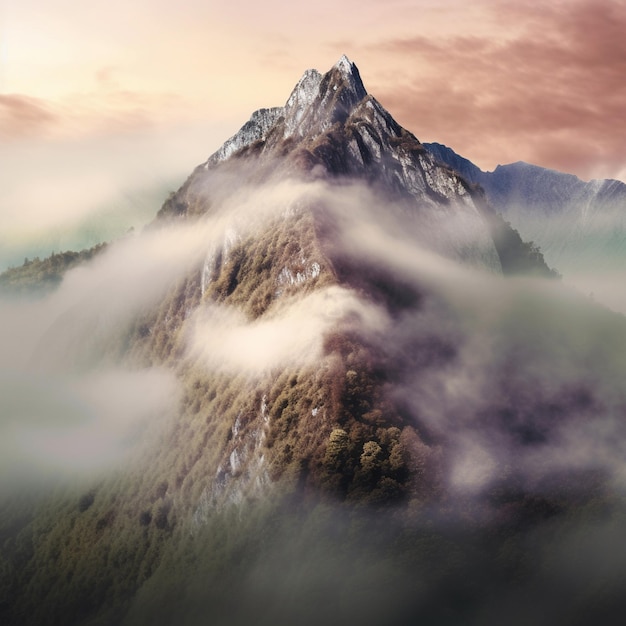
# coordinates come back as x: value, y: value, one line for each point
x: 496, y: 80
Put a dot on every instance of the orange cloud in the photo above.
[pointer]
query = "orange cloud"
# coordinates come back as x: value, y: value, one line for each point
x: 113, y: 110
x: 23, y: 116
x: 550, y: 90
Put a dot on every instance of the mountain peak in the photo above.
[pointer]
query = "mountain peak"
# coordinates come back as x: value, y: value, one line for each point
x: 347, y: 73
x: 330, y: 126
x: 345, y: 66
x: 301, y: 98
x: 318, y: 101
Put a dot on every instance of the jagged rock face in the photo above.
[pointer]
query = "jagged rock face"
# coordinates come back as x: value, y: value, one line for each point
x: 331, y: 128
x: 254, y: 130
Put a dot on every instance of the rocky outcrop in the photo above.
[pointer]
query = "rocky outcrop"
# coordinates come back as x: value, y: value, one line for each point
x: 331, y: 128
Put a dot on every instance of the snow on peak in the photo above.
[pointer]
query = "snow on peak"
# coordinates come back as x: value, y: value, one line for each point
x: 306, y: 108
x: 255, y: 129
x: 301, y: 98
x: 350, y: 77
x: 305, y: 90
x: 345, y: 65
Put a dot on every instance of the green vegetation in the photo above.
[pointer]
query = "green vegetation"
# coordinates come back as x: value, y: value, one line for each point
x: 45, y: 275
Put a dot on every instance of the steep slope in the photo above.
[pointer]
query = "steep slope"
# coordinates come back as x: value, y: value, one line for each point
x: 335, y: 156
x: 331, y: 128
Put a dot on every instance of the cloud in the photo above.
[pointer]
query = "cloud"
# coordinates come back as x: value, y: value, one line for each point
x: 113, y: 109
x: 24, y: 116
x: 547, y: 90
x: 68, y: 404
x: 290, y: 336
x: 517, y: 382
x: 71, y: 193
x: 134, y: 273
x: 520, y: 380
x: 76, y: 426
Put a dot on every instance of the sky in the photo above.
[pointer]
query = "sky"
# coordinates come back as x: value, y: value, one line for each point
x: 105, y: 107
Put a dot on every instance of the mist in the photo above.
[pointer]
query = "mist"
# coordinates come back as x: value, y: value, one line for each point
x: 74, y: 429
x: 514, y: 384
x: 520, y: 379
x: 532, y: 344
x: 70, y: 192
x: 70, y: 399
x: 584, y: 241
x: 290, y: 337
x: 321, y: 563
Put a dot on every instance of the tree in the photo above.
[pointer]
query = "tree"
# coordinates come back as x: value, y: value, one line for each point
x: 371, y: 456
x: 337, y: 450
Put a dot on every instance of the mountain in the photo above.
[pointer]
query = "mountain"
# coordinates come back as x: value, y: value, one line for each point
x: 330, y: 128
x: 329, y: 383
x: 578, y: 225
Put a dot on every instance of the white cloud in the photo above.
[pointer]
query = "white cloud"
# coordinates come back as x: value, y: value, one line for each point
x: 73, y: 426
x: 292, y: 335
x: 65, y: 194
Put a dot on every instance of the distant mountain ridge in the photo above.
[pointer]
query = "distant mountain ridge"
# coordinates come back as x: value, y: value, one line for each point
x: 574, y: 222
x: 542, y: 190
